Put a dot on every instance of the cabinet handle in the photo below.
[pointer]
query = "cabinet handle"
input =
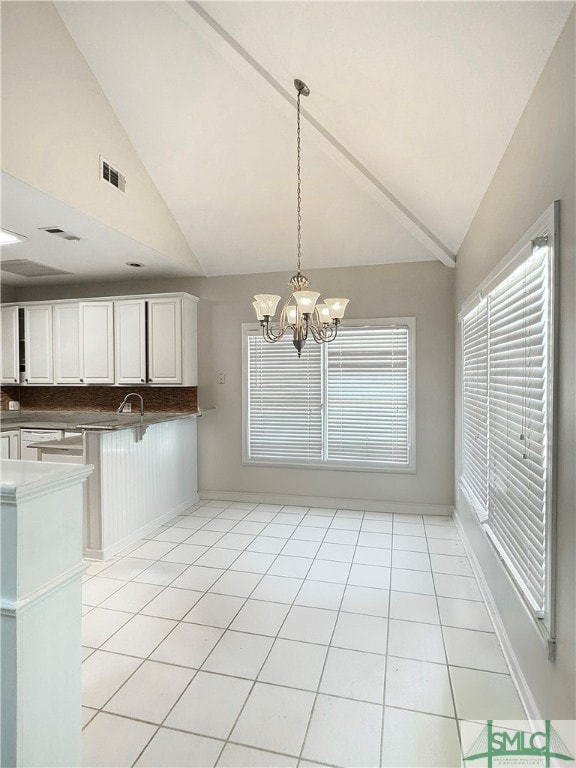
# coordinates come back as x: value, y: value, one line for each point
x: 26, y: 381
x: 141, y: 379
x: 82, y: 381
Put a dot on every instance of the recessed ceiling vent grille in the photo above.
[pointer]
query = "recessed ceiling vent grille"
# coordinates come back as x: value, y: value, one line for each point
x: 112, y: 175
x: 60, y: 233
x: 27, y: 268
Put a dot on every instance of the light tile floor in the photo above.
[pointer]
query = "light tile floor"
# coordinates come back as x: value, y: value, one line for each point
x: 260, y: 635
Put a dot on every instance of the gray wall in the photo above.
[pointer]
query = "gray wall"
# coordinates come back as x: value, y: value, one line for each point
x: 424, y: 290
x: 537, y: 168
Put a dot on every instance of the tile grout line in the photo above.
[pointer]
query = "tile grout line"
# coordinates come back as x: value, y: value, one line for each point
x: 452, y: 694
x: 381, y: 761
x: 317, y: 693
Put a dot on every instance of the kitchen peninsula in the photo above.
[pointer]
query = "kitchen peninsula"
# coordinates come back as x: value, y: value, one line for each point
x: 145, y: 470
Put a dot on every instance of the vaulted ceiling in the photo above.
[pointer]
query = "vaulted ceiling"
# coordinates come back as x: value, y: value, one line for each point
x: 412, y: 106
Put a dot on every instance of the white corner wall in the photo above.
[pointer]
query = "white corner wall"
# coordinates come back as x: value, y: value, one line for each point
x: 56, y: 122
x: 537, y: 168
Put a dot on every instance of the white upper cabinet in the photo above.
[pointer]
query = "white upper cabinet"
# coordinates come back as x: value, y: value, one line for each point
x: 126, y: 340
x: 97, y: 342
x: 67, y: 347
x: 9, y: 360
x: 165, y: 341
x: 38, y: 344
x: 172, y: 356
x: 130, y: 341
x: 84, y: 343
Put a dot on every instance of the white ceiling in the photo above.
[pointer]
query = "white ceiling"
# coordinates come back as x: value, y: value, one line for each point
x: 100, y: 253
x: 423, y: 96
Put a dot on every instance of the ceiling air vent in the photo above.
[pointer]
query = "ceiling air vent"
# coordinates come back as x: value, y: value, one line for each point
x: 60, y: 233
x: 112, y: 175
x: 27, y: 268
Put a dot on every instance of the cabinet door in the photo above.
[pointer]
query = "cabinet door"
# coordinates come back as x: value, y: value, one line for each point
x: 165, y: 341
x: 38, y: 344
x: 97, y: 342
x: 9, y: 361
x: 130, y: 341
x: 5, y: 445
x: 10, y: 444
x: 67, y: 344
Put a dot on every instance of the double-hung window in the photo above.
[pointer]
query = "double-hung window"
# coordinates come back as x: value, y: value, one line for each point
x: 507, y: 409
x: 348, y: 404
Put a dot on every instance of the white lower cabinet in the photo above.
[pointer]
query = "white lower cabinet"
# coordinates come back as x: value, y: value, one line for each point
x: 10, y: 444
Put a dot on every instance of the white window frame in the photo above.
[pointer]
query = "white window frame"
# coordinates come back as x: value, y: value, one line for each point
x: 332, y: 464
x: 546, y: 226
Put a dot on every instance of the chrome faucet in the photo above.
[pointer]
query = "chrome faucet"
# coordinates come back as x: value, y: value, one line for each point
x: 132, y: 394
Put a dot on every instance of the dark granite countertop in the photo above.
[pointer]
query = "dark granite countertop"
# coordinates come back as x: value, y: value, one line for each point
x: 86, y: 420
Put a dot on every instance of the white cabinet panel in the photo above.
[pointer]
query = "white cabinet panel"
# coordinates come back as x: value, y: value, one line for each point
x: 165, y: 341
x: 38, y: 344
x: 5, y: 445
x: 130, y: 341
x: 10, y: 444
x: 97, y: 339
x: 67, y: 347
x: 9, y: 361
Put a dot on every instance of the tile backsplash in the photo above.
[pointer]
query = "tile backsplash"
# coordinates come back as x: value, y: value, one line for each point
x: 94, y: 398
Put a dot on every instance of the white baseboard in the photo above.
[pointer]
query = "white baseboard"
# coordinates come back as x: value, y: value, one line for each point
x: 516, y: 672
x: 369, y: 505
x: 139, y: 533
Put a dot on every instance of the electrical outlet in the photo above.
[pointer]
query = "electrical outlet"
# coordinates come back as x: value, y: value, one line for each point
x: 221, y: 378
x: 13, y: 405
x: 127, y: 408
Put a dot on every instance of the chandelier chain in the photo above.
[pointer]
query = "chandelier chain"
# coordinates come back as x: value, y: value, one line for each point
x: 299, y: 185
x: 300, y: 315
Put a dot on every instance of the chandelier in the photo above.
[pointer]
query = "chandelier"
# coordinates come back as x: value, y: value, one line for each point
x: 301, y: 314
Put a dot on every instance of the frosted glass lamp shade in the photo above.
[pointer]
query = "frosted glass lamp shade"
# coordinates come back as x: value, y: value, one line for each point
x: 259, y: 314
x: 291, y: 314
x: 323, y: 313
x: 337, y: 307
x: 267, y: 303
x: 306, y: 301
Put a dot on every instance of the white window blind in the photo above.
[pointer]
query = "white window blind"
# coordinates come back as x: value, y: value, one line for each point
x: 518, y: 419
x: 507, y: 344
x: 368, y: 395
x: 475, y: 407
x: 284, y: 400
x: 346, y: 404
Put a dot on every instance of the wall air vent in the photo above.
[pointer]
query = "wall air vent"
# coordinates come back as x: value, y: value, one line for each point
x: 112, y: 175
x: 27, y: 268
x: 59, y: 233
